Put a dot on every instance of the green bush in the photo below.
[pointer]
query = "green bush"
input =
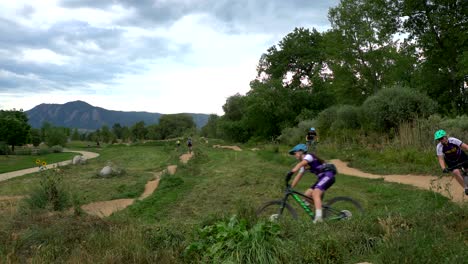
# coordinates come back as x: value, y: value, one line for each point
x: 235, y: 241
x: 347, y: 117
x: 392, y: 106
x: 326, y: 118
x: 57, y: 149
x: 51, y: 193
x: 56, y: 136
x: 43, y: 151
x: 456, y: 127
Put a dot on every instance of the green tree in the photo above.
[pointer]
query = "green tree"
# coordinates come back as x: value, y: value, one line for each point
x: 14, y: 127
x: 117, y: 130
x: 35, y: 136
x: 440, y: 30
x: 56, y: 136
x: 106, y: 134
x: 154, y: 132
x: 176, y: 125
x: 298, y: 56
x: 75, y: 135
x: 211, y: 127
x: 138, y: 131
x: 360, y: 47
x: 126, y: 133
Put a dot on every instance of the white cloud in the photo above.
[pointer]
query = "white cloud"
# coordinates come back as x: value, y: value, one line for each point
x: 43, y: 56
x: 122, y: 57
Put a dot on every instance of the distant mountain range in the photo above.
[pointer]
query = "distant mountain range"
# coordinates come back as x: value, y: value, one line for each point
x: 81, y: 115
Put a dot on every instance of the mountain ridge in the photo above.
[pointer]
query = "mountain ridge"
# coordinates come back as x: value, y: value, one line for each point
x: 82, y: 115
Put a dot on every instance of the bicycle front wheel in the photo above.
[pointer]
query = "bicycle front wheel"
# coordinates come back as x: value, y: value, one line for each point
x: 272, y: 211
x: 342, y: 207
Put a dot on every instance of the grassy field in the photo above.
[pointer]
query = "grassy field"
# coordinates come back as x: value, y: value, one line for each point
x: 19, y: 162
x: 137, y: 162
x: 384, y: 159
x: 189, y: 219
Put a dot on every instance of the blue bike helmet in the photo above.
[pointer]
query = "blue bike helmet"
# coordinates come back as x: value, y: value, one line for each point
x: 312, y: 129
x: 298, y: 147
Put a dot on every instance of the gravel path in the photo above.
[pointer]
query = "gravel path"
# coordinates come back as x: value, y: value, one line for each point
x: 8, y: 175
x: 446, y: 186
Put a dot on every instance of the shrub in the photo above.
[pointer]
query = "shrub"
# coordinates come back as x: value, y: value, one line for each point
x: 57, y: 149
x: 51, y: 193
x: 347, y: 117
x: 392, y: 106
x: 326, y: 118
x: 234, y: 241
x: 43, y: 151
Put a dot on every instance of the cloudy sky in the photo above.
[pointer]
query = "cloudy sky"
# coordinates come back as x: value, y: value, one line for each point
x: 166, y: 56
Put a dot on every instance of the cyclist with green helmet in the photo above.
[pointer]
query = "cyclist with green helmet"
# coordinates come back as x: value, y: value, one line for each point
x: 450, y: 153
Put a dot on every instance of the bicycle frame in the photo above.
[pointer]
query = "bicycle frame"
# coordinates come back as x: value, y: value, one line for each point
x: 297, y: 197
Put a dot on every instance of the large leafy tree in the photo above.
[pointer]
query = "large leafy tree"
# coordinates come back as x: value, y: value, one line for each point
x: 175, y: 125
x: 210, y: 129
x: 139, y: 131
x: 361, y: 51
x: 298, y: 60
x: 440, y: 30
x: 232, y: 124
x: 14, y: 127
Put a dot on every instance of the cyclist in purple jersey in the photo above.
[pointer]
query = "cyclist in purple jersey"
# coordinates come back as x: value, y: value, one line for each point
x: 325, y: 174
x: 450, y: 153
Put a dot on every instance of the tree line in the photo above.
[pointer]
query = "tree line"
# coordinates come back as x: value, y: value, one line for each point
x: 382, y: 63
x: 15, y: 131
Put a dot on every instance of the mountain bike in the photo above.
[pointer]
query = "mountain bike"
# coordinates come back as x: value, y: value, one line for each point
x: 337, y: 208
x: 463, y: 167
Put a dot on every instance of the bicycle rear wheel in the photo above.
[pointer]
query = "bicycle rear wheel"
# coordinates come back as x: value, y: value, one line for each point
x: 340, y: 208
x: 272, y: 211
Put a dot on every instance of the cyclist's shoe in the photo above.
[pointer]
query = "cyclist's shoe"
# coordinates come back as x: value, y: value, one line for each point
x: 318, y: 220
x: 274, y: 217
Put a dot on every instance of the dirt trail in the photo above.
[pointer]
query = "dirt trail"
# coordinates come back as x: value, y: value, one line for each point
x: 8, y: 175
x: 184, y: 158
x: 236, y: 148
x: 446, y: 186
x: 106, y: 208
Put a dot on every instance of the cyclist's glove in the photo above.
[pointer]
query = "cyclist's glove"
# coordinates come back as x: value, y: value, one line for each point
x: 445, y: 170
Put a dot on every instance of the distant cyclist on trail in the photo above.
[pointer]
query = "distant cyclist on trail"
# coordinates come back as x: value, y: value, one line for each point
x: 189, y: 144
x: 325, y: 174
x: 450, y: 153
x: 311, y: 138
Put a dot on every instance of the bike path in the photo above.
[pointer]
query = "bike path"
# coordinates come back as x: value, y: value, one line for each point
x: 446, y: 186
x: 12, y: 174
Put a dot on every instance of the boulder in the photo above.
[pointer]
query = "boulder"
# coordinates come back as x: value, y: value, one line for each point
x: 106, y: 171
x: 78, y: 160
